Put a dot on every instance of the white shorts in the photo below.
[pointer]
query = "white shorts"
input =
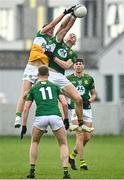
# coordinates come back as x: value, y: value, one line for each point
x: 87, y: 115
x: 42, y: 122
x: 59, y: 79
x: 30, y: 73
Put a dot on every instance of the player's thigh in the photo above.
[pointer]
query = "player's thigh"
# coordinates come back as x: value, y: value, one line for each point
x: 36, y: 134
x: 87, y: 116
x: 73, y: 116
x: 71, y: 92
x: 26, y: 85
x: 61, y: 136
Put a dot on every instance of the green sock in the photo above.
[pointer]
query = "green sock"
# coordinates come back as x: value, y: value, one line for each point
x: 65, y: 169
x: 73, y: 154
x: 19, y: 114
x: 32, y: 166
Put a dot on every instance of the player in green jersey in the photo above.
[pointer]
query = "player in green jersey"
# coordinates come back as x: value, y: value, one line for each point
x: 46, y: 95
x: 86, y: 88
x: 38, y: 56
x: 64, y: 58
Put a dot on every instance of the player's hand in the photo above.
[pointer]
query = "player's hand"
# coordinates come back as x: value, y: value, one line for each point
x: 66, y: 123
x: 81, y: 123
x: 86, y: 102
x: 23, y: 131
x: 70, y: 10
x: 49, y: 54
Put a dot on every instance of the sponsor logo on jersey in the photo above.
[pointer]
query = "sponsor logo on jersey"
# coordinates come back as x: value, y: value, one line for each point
x: 81, y: 89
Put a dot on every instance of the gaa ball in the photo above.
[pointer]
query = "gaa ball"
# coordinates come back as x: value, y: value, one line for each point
x: 80, y: 11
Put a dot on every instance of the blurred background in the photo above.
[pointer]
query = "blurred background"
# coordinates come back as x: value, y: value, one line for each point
x: 100, y: 39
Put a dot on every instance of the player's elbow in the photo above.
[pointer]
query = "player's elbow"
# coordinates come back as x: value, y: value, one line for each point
x: 25, y: 110
x: 65, y: 104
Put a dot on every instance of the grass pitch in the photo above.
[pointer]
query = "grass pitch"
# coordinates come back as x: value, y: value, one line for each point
x: 104, y: 156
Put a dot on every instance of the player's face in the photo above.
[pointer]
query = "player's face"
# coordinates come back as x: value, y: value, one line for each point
x: 50, y: 32
x: 71, y: 38
x: 78, y: 67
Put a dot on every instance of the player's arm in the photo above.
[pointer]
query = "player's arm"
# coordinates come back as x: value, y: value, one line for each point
x: 64, y: 103
x: 93, y: 95
x: 63, y: 64
x: 28, y: 103
x: 63, y: 24
x: 54, y: 22
x: 61, y: 33
x: 25, y: 117
x: 26, y: 112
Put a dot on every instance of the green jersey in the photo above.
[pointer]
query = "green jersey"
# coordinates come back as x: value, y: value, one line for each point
x: 63, y: 52
x: 84, y: 85
x: 45, y: 94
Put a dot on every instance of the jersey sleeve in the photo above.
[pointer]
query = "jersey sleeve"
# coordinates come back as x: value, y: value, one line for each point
x: 30, y: 96
x: 73, y: 57
x: 68, y: 77
x: 92, y: 84
x: 59, y: 92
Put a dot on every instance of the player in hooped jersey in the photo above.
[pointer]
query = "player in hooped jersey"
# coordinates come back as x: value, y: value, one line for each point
x: 38, y: 56
x: 64, y: 58
x: 46, y: 95
x: 86, y: 88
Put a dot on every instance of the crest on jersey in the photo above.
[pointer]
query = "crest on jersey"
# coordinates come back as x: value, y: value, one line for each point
x: 86, y: 82
x: 62, y: 53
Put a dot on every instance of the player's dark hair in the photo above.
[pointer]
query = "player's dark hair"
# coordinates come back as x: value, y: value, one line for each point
x: 43, y: 71
x: 82, y: 60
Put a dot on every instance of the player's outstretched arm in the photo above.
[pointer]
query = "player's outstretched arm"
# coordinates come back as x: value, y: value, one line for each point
x: 61, y: 33
x: 52, y: 24
x: 55, y: 21
x: 25, y: 117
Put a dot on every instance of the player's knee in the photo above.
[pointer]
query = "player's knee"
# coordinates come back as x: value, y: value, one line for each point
x: 87, y: 138
x: 35, y: 139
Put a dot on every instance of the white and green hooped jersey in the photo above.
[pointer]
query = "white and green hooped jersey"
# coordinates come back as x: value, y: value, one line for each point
x: 63, y: 52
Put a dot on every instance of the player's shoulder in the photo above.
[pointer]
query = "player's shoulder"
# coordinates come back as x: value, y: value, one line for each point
x: 70, y: 76
x: 41, y: 34
x: 88, y: 76
x: 52, y: 84
x: 35, y: 85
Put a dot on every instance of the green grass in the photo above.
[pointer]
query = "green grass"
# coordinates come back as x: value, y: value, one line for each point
x: 103, y: 154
